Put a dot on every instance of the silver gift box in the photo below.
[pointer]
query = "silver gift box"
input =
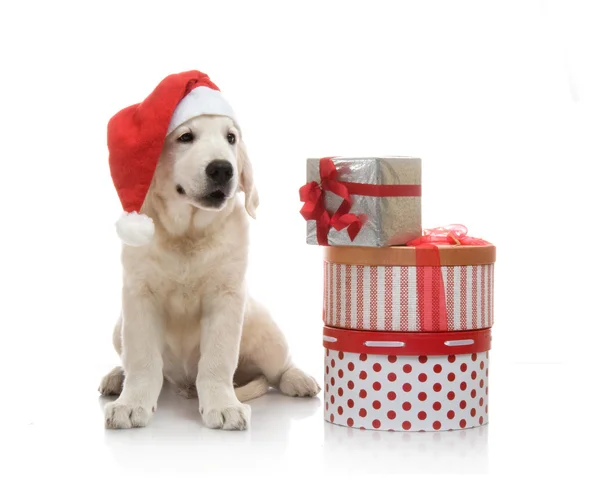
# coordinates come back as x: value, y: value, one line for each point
x: 389, y: 220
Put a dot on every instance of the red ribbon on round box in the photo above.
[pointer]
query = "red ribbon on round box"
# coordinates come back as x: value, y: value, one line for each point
x: 441, y: 281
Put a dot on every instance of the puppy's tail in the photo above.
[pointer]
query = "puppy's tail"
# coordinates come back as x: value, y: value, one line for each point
x: 253, y: 389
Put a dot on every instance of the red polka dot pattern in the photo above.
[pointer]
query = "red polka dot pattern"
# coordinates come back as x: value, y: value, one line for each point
x: 406, y: 393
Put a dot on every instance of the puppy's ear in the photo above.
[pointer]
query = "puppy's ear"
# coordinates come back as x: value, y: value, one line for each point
x: 247, y: 180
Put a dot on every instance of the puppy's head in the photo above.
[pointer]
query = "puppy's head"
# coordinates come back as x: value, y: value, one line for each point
x: 208, y: 164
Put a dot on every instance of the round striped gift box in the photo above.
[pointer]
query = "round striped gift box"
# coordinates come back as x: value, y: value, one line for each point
x: 384, y: 289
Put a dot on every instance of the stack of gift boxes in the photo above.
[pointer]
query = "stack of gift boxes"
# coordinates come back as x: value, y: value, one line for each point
x: 407, y: 312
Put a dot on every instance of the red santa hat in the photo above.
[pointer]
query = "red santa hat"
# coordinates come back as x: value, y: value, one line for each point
x: 135, y: 139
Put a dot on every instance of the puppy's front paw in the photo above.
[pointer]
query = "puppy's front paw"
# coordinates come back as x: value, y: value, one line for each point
x: 125, y: 416
x: 233, y: 417
x: 295, y: 382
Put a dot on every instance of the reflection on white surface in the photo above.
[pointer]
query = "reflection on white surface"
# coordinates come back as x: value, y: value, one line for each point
x: 290, y: 437
x: 176, y: 437
x: 283, y: 430
x: 462, y: 451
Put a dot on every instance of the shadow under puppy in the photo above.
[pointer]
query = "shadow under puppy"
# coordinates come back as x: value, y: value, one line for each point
x: 178, y: 161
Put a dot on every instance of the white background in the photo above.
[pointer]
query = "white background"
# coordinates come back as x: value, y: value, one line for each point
x: 499, y: 99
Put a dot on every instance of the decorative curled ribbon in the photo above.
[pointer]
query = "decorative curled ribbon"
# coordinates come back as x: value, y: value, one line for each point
x: 312, y: 195
x: 430, y: 286
x: 447, y: 235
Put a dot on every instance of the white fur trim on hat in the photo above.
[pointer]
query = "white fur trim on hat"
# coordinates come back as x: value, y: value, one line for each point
x: 200, y: 101
x: 135, y: 229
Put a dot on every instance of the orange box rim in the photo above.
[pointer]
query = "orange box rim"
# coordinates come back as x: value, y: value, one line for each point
x: 449, y: 255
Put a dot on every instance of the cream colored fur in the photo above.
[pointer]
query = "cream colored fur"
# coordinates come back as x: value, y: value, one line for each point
x: 186, y: 316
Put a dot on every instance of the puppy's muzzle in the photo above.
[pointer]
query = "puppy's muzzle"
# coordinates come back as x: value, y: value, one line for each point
x: 219, y: 172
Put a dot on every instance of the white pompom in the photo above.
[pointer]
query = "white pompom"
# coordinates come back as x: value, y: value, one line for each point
x: 135, y: 229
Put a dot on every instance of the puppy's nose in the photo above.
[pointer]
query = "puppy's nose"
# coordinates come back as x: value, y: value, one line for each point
x: 219, y: 171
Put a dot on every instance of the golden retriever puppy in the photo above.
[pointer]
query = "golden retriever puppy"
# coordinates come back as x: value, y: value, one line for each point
x: 186, y: 316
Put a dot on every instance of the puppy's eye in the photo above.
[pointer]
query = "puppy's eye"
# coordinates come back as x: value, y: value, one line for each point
x: 187, y: 137
x: 231, y: 138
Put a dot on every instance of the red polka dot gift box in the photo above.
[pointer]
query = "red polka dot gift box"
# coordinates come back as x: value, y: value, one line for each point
x: 406, y: 381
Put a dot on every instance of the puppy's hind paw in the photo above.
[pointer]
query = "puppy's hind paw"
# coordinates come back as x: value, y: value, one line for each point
x: 295, y: 382
x: 112, y: 383
x: 187, y: 391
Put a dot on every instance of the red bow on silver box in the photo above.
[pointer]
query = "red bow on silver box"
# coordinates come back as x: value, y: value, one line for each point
x: 313, y: 196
